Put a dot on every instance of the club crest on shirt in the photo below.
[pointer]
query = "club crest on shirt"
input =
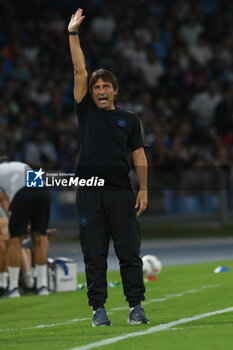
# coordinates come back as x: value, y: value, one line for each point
x: 83, y: 221
x: 121, y: 122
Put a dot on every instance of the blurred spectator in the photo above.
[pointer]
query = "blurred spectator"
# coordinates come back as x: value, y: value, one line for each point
x: 137, y: 55
x: 41, y: 151
x: 152, y: 69
x: 224, y: 114
x: 201, y: 51
x: 191, y: 30
x: 204, y: 103
x: 103, y: 25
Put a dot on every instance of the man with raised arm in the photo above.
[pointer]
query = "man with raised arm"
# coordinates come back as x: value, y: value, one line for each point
x: 106, y: 135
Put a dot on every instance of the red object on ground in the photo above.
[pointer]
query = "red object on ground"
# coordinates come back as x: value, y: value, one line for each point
x: 151, y: 278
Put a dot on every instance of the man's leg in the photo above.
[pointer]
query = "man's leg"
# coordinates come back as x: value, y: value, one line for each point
x: 126, y: 236
x: 41, y: 244
x: 14, y: 261
x: 40, y: 202
x: 94, y: 236
x: 26, y: 267
x: 26, y: 262
x: 18, y: 228
x: 4, y: 239
x: 3, y: 266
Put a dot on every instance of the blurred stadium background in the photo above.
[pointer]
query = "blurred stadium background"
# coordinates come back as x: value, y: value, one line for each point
x: 174, y: 62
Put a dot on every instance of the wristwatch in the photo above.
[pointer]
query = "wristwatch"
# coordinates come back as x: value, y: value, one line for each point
x: 76, y: 32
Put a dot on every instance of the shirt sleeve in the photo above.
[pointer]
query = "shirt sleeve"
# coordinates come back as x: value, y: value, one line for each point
x: 83, y: 107
x: 138, y: 138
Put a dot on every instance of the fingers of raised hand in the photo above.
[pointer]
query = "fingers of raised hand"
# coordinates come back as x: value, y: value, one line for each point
x: 78, y: 13
x: 76, y: 20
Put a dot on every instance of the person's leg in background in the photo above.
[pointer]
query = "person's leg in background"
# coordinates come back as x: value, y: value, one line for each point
x: 3, y: 267
x: 4, y: 238
x: 27, y: 277
x: 39, y: 217
x: 14, y: 262
x: 18, y: 222
x: 41, y: 244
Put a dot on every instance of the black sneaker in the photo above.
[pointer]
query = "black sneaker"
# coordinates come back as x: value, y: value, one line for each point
x: 100, y: 318
x: 2, y: 291
x: 137, y: 316
x: 14, y: 293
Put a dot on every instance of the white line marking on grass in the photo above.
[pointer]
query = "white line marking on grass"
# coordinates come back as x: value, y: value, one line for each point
x: 195, y: 327
x: 144, y: 303
x: 158, y: 300
x: 113, y: 309
x: 45, y: 325
x: 191, y: 327
x: 159, y: 328
x: 168, y: 296
x: 210, y: 286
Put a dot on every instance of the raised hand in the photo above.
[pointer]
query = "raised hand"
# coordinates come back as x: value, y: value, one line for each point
x: 76, y: 20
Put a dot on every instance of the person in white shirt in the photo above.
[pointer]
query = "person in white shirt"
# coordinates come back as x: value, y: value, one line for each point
x: 204, y: 104
x: 201, y: 52
x: 24, y: 205
x: 152, y: 69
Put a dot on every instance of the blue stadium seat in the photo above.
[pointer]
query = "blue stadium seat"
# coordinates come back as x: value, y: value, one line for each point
x: 188, y: 205
x: 211, y: 203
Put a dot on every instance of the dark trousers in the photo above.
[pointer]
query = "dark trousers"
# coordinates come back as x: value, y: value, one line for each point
x: 104, y: 213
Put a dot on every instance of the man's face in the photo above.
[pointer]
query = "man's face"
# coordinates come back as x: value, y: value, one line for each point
x: 103, y: 94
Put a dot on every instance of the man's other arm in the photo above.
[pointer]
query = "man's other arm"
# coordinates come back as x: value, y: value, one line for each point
x: 140, y: 163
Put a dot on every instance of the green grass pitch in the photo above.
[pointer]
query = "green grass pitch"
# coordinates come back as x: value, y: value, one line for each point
x: 62, y: 321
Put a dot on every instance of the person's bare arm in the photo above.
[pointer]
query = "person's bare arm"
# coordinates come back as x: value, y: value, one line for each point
x: 78, y: 59
x: 4, y: 202
x: 140, y: 163
x: 4, y: 231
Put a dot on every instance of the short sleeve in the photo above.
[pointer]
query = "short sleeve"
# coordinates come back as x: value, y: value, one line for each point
x: 137, y: 138
x: 84, y: 106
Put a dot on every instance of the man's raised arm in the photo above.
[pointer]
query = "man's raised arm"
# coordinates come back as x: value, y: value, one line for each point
x: 78, y: 59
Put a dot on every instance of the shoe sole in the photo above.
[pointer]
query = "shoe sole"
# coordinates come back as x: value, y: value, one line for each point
x: 136, y: 323
x: 43, y: 294
x: 101, y: 325
x: 10, y: 296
